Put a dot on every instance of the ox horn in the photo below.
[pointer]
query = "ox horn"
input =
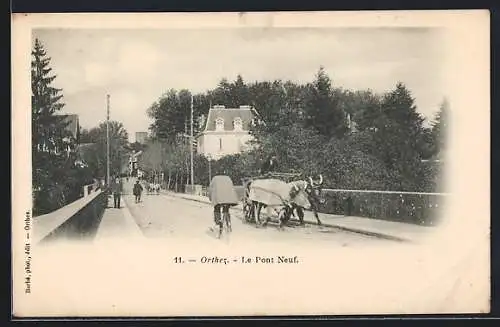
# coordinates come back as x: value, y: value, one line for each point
x: 311, y: 180
x: 320, y: 179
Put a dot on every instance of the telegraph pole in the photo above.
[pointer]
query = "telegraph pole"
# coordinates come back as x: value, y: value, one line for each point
x: 191, y: 146
x: 107, y: 143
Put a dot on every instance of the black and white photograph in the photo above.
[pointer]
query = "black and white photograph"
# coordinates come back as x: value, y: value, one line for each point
x: 250, y: 164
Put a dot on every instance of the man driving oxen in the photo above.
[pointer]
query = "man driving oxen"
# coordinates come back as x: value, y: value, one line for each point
x: 269, y: 165
x: 313, y: 191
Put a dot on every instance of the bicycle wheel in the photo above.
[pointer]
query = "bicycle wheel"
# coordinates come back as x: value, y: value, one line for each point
x: 227, y: 222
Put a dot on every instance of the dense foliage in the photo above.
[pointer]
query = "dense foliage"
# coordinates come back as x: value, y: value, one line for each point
x: 356, y: 139
x: 118, y: 148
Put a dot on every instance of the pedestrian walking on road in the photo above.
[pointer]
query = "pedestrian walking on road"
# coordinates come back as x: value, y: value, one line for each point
x: 137, y: 191
x: 117, y: 192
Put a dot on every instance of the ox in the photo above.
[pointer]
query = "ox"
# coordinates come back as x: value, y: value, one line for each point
x: 313, y: 192
x: 272, y: 194
x: 284, y: 198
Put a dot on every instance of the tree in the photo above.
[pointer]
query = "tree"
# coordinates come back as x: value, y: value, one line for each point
x: 364, y: 107
x: 222, y: 93
x: 118, y: 144
x: 170, y: 115
x: 47, y: 127
x: 240, y: 94
x: 269, y: 99
x: 398, y: 138
x: 324, y: 109
x: 440, y: 128
x: 53, y: 164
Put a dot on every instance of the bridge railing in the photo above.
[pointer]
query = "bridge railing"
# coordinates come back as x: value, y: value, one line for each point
x: 410, y: 207
x: 77, y: 220
x: 89, y: 188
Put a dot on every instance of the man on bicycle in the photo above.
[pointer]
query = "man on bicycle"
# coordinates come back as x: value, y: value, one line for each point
x: 222, y: 195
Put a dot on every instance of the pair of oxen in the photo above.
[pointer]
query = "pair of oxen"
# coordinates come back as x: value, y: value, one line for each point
x: 285, y: 199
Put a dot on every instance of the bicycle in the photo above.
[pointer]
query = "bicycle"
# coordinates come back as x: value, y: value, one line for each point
x: 222, y: 222
x: 225, y: 224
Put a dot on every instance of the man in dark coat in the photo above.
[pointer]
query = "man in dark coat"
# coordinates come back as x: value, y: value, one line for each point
x: 117, y: 192
x: 269, y: 165
x: 137, y: 191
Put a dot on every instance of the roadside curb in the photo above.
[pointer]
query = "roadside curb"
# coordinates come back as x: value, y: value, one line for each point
x: 131, y: 222
x: 310, y: 222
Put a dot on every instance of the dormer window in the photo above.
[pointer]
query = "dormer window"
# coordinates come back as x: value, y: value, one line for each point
x: 219, y: 124
x: 238, y: 124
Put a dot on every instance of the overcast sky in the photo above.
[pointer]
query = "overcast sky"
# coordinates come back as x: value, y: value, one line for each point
x: 136, y: 66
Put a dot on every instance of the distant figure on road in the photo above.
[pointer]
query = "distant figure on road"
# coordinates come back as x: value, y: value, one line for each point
x: 137, y: 191
x: 117, y: 192
x: 222, y: 195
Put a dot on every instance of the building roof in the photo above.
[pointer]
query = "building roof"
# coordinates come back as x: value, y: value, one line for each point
x: 246, y: 113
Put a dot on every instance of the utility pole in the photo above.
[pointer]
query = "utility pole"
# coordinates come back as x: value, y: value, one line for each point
x: 107, y: 143
x: 191, y: 146
x: 209, y: 169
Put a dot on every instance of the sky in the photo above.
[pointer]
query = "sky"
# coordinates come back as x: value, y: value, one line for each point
x: 137, y: 66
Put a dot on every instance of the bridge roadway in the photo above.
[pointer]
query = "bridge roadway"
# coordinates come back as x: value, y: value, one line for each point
x: 161, y: 216
x: 130, y: 268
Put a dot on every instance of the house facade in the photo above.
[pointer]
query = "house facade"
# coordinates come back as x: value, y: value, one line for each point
x: 226, y: 131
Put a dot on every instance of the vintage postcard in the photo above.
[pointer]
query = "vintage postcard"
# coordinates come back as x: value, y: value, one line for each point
x: 250, y: 164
